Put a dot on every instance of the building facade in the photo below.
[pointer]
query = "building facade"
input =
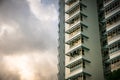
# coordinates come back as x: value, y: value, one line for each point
x: 61, y: 40
x: 89, y: 31
x: 111, y: 27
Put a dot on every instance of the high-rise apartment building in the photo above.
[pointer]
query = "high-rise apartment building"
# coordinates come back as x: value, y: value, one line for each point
x: 110, y: 39
x: 89, y: 40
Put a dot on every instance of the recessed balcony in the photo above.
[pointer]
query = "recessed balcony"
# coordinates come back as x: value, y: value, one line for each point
x: 77, y: 73
x: 71, y: 7
x: 113, y: 39
x: 74, y: 32
x: 71, y: 19
x: 112, y: 12
x: 75, y: 14
x: 75, y: 48
x: 75, y: 68
x: 114, y: 54
x: 76, y: 18
x: 76, y: 36
x: 106, y: 3
x: 73, y: 27
x: 79, y: 59
x: 109, y: 27
x: 115, y: 66
x: 67, y: 1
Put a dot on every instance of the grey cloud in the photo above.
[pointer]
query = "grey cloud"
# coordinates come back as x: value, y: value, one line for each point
x: 22, y: 33
x: 42, y: 67
x: 48, y: 2
x: 34, y: 36
x: 6, y: 75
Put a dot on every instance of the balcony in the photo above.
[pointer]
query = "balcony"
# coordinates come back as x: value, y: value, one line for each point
x: 73, y: 61
x: 75, y: 14
x: 78, y: 37
x: 67, y: 1
x: 75, y: 68
x: 116, y: 10
x: 115, y: 66
x: 73, y: 37
x: 76, y: 60
x: 79, y: 52
x: 73, y: 27
x: 113, y: 25
x: 114, y: 54
x: 106, y: 3
x: 75, y: 18
x: 71, y: 7
x: 74, y: 32
x: 77, y: 73
x: 75, y: 48
x: 106, y: 58
x: 113, y: 39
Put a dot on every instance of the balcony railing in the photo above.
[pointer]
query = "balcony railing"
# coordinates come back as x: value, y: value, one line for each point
x: 73, y: 19
x: 73, y: 61
x: 73, y: 15
x: 76, y: 26
x: 115, y: 66
x: 76, y: 44
x: 74, y: 33
x: 107, y: 2
x: 75, y: 23
x: 114, y: 24
x: 74, y: 11
x: 80, y: 71
x: 75, y: 68
x: 113, y: 39
x: 112, y: 11
x: 79, y: 59
x: 71, y: 7
x: 71, y: 28
x: 79, y: 54
x: 115, y: 54
x: 75, y: 48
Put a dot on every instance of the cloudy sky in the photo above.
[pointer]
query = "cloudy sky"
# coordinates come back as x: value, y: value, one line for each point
x: 28, y: 39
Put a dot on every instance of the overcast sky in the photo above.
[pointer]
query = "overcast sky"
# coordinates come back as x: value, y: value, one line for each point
x: 28, y: 39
